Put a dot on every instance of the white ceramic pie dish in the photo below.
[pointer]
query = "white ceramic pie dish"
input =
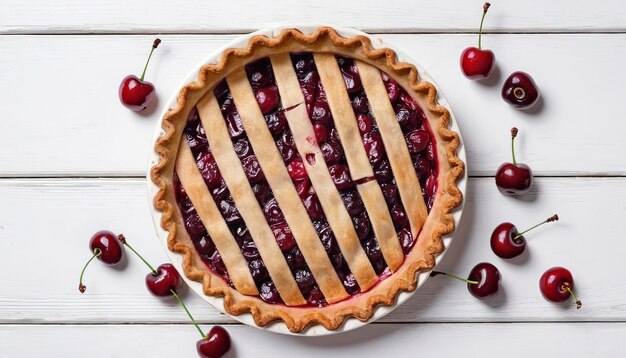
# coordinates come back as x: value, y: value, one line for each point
x: 218, y: 302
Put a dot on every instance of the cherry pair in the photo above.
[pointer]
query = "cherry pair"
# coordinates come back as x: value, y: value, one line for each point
x: 165, y: 281
x: 519, y: 89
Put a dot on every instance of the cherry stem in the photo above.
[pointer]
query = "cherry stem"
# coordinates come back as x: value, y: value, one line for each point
x: 513, y: 135
x: 123, y: 240
x: 188, y: 313
x: 578, y: 303
x: 480, y: 30
x: 97, y: 252
x: 552, y: 218
x: 155, y: 44
x: 436, y: 273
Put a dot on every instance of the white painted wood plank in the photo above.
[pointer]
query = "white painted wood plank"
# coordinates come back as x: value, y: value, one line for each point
x: 62, y: 114
x: 375, y: 16
x: 45, y: 226
x: 427, y: 340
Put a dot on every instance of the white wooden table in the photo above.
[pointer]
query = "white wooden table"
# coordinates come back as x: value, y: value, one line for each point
x: 73, y: 160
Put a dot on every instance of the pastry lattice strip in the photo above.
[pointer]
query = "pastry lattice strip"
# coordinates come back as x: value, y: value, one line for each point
x: 358, y: 161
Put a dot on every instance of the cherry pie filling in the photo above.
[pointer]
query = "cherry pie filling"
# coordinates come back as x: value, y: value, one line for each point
x: 419, y: 141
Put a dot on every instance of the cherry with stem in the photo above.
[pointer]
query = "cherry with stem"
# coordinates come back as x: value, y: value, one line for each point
x: 507, y: 242
x: 135, y: 93
x: 476, y: 63
x: 482, y: 281
x: 514, y: 178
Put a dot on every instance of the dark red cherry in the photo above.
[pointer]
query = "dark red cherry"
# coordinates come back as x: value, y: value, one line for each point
x: 332, y: 153
x: 229, y: 210
x: 110, y: 246
x: 398, y: 216
x: 135, y: 93
x: 295, y: 258
x: 303, y: 63
x: 365, y: 123
x: 351, y: 285
x: 284, y: 237
x: 269, y: 293
x: 557, y: 285
x: 321, y: 133
x: 258, y: 270
x: 249, y: 249
x: 242, y: 147
x: 165, y: 280
x: 477, y: 63
x: 383, y: 171
x: 483, y: 280
x: 360, y: 104
x: 393, y: 88
x: 297, y: 170
x: 372, y: 249
x: 406, y: 239
x: 286, y: 146
x: 514, y: 178
x: 321, y: 113
x: 407, y: 116
x: 261, y: 191
x: 276, y: 122
x: 488, y: 278
x: 209, y: 169
x: 309, y: 84
x: 252, y: 168
x: 390, y: 192
x: 268, y: 98
x: 341, y: 176
x: 259, y: 73
x: 373, y: 143
x: 362, y: 225
x: 316, y: 298
x: 313, y: 207
x: 304, y: 279
x: 352, y: 202
x: 520, y: 90
x: 273, y: 213
x: 422, y: 166
x: 194, y: 224
x: 351, y: 76
x: 204, y: 245
x: 215, y: 344
x: 303, y: 187
x: 507, y: 243
x: 417, y: 140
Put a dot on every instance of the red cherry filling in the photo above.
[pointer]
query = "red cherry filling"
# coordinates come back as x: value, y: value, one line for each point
x: 260, y: 75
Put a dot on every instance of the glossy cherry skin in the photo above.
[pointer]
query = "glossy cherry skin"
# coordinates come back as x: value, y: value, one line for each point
x: 215, y: 344
x: 488, y: 278
x: 503, y: 243
x: 136, y: 94
x: 520, y: 90
x: 477, y: 64
x: 553, y: 282
x: 110, y: 246
x: 166, y: 279
x: 514, y: 179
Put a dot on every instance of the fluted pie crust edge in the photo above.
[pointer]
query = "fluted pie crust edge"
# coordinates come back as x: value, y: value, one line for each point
x: 440, y: 221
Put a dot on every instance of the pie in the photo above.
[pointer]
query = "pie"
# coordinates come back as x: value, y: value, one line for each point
x: 307, y: 178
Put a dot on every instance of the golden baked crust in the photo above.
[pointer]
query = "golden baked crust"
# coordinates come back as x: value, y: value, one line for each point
x: 428, y: 244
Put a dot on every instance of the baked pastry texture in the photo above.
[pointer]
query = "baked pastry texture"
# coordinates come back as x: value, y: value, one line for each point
x: 307, y: 178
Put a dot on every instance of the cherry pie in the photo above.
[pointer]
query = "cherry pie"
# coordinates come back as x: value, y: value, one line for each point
x: 307, y: 178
